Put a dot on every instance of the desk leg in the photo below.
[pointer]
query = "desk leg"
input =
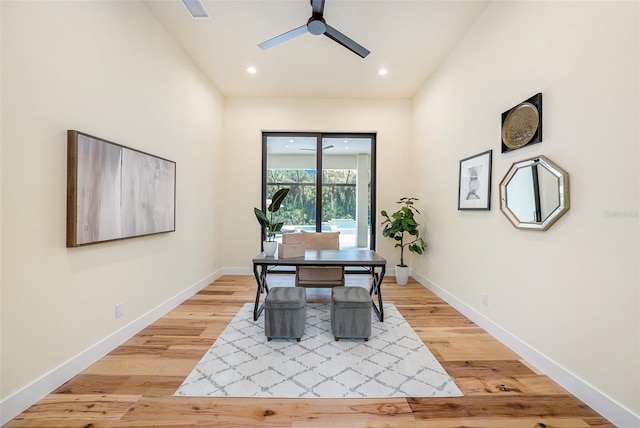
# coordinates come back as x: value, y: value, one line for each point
x: 260, y: 272
x: 376, y: 287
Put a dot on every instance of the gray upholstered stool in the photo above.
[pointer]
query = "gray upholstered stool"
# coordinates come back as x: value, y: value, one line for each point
x: 285, y: 312
x: 350, y: 312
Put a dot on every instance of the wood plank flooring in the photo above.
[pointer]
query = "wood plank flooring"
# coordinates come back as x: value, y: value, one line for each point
x: 134, y: 384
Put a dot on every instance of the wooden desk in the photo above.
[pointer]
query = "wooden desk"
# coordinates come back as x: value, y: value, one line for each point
x: 368, y: 259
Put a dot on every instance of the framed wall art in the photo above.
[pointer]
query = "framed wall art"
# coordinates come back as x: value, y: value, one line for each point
x: 522, y: 124
x: 115, y: 192
x: 474, y: 185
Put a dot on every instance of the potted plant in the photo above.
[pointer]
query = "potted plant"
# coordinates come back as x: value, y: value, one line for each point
x: 266, y: 221
x: 402, y: 227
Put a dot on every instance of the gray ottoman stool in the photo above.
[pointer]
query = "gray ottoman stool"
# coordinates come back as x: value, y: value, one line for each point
x: 350, y: 312
x: 285, y: 312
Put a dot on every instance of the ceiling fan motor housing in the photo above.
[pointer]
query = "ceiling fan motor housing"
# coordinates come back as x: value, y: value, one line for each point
x: 316, y: 25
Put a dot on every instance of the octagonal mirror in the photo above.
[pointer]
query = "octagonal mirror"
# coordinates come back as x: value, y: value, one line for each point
x: 534, y: 193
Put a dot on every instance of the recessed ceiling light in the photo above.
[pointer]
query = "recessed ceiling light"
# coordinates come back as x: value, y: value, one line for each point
x: 251, y: 70
x: 383, y: 72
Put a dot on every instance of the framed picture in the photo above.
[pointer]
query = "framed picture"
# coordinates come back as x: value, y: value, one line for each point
x: 474, y: 186
x: 115, y: 192
x: 522, y: 124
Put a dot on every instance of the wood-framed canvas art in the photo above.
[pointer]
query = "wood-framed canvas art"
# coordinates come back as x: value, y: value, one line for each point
x: 115, y: 192
x: 474, y: 185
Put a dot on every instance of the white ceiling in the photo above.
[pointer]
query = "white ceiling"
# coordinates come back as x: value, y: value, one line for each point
x: 410, y: 38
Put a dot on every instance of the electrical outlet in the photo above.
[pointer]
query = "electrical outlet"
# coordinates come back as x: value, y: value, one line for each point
x: 119, y: 310
x: 485, y: 298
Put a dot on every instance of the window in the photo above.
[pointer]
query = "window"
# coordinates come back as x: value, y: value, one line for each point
x: 340, y: 198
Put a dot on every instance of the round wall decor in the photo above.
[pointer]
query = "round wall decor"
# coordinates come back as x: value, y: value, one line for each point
x: 522, y: 124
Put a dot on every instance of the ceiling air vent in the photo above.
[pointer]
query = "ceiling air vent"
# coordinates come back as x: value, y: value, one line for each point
x: 196, y: 8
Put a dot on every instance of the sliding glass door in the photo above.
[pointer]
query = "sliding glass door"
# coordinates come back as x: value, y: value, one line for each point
x: 339, y: 198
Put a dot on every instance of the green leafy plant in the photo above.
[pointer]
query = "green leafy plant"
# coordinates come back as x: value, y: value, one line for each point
x: 266, y: 221
x: 402, y: 227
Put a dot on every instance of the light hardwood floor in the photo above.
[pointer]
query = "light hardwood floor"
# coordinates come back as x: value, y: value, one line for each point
x: 134, y: 384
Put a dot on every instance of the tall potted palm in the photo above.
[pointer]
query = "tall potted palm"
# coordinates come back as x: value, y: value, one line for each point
x: 401, y: 226
x: 270, y: 227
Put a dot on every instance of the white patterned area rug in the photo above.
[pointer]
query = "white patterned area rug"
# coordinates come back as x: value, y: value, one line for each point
x: 393, y: 363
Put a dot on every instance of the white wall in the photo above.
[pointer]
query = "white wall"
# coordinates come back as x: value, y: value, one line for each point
x: 1, y: 32
x: 246, y: 118
x: 572, y: 292
x: 108, y: 69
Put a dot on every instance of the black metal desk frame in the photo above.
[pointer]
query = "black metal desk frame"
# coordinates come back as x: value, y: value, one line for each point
x: 368, y: 259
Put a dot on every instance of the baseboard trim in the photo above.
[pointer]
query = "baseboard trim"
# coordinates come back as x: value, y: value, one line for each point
x: 21, y: 400
x: 598, y: 401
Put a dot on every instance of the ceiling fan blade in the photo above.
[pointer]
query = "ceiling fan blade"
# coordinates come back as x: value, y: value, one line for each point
x: 330, y: 146
x: 283, y: 37
x: 345, y: 41
x: 318, y: 7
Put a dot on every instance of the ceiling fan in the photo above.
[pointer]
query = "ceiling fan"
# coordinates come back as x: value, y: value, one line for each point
x: 330, y: 146
x: 316, y: 25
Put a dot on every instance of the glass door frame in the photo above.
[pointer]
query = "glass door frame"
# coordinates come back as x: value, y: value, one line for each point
x: 319, y: 139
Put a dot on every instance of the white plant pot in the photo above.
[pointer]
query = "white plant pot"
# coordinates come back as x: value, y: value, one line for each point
x: 402, y: 275
x: 270, y: 248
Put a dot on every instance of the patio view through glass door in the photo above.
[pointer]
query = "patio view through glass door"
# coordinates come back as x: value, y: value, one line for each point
x: 339, y: 198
